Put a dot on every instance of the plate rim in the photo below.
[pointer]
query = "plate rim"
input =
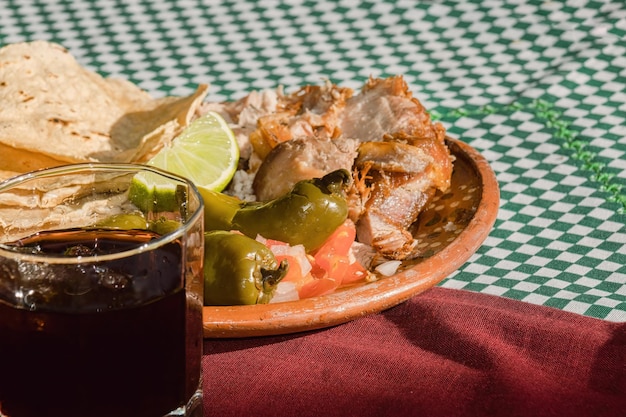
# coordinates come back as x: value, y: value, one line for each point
x: 346, y: 305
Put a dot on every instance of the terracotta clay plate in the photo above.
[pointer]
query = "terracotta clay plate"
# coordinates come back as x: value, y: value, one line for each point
x: 449, y: 232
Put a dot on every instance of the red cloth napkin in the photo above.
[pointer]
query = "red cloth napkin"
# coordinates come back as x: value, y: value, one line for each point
x: 443, y: 353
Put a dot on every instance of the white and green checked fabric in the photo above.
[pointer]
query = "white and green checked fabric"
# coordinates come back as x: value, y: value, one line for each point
x: 538, y: 87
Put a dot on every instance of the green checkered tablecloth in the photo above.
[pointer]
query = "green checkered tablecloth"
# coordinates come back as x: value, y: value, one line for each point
x: 537, y: 86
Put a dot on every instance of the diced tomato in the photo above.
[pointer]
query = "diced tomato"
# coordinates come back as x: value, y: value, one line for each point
x: 334, y: 255
x: 317, y: 286
x: 294, y: 272
x: 355, y: 272
x: 296, y: 257
x: 340, y: 241
x: 326, y: 269
x: 271, y: 242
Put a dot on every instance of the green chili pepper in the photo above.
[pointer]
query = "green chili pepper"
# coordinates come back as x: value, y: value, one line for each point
x: 124, y: 221
x: 239, y: 270
x: 129, y: 221
x: 307, y: 215
x: 164, y: 226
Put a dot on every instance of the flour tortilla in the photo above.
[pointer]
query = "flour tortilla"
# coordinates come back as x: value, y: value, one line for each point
x: 54, y: 112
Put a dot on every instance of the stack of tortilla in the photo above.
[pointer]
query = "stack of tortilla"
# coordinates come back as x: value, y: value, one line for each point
x: 55, y: 112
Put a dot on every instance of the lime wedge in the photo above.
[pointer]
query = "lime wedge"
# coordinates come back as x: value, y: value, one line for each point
x: 206, y: 153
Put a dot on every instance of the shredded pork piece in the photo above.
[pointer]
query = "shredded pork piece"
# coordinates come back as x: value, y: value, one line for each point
x: 300, y: 159
x: 242, y: 115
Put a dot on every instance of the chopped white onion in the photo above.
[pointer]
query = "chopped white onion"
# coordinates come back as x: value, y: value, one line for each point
x: 388, y: 268
x: 298, y: 252
x: 285, y: 291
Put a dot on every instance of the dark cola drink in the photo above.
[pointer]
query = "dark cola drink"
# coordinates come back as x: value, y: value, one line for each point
x: 112, y: 338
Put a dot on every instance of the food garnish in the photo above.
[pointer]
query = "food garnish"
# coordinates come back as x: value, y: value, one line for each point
x: 206, y: 153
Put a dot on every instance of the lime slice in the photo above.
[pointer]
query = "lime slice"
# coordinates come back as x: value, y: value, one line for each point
x: 206, y: 153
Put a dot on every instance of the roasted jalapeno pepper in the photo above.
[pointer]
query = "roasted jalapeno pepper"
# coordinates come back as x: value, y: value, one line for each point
x: 239, y: 270
x: 129, y: 221
x: 124, y: 221
x: 307, y: 215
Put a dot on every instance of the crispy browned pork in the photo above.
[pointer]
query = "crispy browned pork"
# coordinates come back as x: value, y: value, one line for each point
x: 383, y: 135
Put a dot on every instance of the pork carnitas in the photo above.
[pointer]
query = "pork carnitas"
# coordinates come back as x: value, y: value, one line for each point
x: 382, y: 134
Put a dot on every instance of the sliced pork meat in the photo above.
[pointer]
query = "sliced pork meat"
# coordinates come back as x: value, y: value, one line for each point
x: 387, y: 106
x: 312, y: 111
x: 242, y: 116
x: 393, y: 204
x: 392, y: 156
x: 402, y: 161
x: 396, y: 180
x: 301, y: 159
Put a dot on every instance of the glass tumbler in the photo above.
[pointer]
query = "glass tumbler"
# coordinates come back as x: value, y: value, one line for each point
x: 100, y: 293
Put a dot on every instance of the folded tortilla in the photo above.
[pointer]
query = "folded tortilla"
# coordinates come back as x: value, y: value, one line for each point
x: 54, y: 112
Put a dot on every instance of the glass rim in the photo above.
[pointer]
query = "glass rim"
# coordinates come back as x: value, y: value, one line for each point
x: 13, y: 252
